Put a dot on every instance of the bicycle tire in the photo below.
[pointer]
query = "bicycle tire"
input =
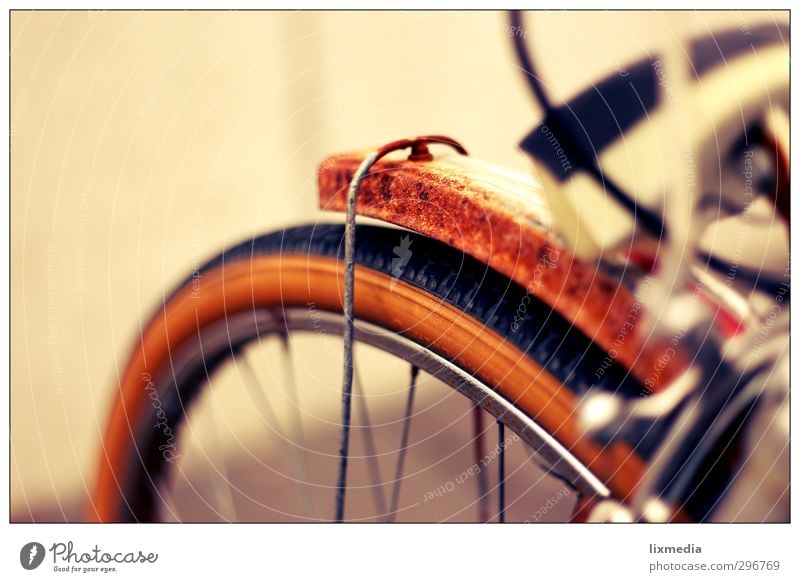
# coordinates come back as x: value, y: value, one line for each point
x: 456, y: 306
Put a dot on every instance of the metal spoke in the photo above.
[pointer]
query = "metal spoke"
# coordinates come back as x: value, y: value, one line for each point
x: 401, y: 454
x: 369, y: 445
x: 168, y: 502
x: 238, y: 329
x: 479, y: 449
x: 259, y: 394
x: 298, y: 434
x: 501, y: 472
x: 265, y: 408
x: 223, y: 495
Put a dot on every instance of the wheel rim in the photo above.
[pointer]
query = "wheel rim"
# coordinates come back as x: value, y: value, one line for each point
x: 244, y: 285
x: 249, y: 327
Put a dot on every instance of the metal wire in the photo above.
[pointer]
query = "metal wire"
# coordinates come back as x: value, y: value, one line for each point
x: 534, y: 80
x: 347, y: 377
x: 501, y: 473
x: 479, y: 451
x: 419, y: 151
x: 648, y: 219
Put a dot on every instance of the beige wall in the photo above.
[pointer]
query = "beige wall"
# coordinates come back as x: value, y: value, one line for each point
x: 143, y: 142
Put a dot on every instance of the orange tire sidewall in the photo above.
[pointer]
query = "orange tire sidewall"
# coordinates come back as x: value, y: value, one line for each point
x: 303, y: 280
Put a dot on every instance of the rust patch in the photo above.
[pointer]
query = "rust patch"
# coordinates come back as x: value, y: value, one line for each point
x: 501, y: 219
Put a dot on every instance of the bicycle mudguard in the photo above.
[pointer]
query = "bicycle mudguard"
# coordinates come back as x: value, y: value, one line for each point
x: 501, y: 218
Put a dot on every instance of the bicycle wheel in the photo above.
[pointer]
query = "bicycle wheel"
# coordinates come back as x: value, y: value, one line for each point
x: 435, y: 308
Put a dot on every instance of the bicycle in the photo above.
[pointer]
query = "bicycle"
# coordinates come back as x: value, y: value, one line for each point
x: 491, y: 286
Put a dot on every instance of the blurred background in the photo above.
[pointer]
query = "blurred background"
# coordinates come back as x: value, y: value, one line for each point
x: 144, y: 142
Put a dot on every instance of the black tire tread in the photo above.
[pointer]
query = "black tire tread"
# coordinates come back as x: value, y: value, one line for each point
x: 467, y: 284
